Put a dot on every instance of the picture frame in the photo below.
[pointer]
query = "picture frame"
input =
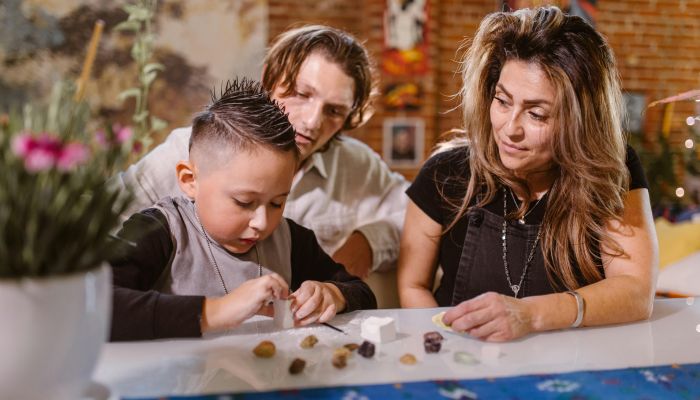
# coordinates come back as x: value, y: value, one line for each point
x: 403, y: 141
x: 635, y: 105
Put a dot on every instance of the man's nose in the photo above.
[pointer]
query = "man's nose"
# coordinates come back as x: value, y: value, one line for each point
x: 313, y: 115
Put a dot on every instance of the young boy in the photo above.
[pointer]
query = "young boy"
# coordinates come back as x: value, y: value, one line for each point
x: 210, y: 261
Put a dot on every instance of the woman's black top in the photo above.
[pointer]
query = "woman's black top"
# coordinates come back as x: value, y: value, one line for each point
x: 443, y: 177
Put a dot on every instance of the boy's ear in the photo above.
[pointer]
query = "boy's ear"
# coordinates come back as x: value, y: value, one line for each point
x: 187, y: 178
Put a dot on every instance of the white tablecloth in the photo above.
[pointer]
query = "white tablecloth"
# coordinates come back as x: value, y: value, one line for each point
x: 226, y: 364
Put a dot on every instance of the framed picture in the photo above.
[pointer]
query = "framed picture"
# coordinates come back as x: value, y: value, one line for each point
x: 404, y: 139
x: 635, y: 105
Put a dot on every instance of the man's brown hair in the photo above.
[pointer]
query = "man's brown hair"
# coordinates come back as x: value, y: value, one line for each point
x: 293, y: 47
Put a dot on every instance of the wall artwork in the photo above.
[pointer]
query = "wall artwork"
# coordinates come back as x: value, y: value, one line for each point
x: 586, y: 9
x: 635, y: 105
x: 405, y: 38
x: 402, y: 96
x: 43, y: 41
x: 403, y: 141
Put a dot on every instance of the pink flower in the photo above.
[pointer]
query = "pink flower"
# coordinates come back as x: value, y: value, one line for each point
x: 101, y: 138
x: 123, y: 133
x: 49, y: 143
x: 45, y: 152
x: 72, y: 155
x: 22, y: 144
x: 138, y: 147
x: 39, y: 154
x: 39, y: 159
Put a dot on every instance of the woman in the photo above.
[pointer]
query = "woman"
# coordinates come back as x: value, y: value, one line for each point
x: 540, y: 215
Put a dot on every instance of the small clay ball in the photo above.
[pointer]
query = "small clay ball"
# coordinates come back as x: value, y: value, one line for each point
x: 408, y: 359
x: 432, y: 342
x: 309, y: 342
x: 465, y: 358
x: 366, y: 349
x: 432, y: 337
x: 340, y: 357
x: 264, y: 349
x: 297, y: 366
x: 432, y: 347
x: 351, y: 346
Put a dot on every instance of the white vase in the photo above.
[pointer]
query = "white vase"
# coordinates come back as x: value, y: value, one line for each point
x: 51, y: 333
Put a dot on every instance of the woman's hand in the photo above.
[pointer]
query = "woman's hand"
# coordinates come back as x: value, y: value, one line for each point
x: 491, y: 317
x: 316, y: 302
x: 251, y: 298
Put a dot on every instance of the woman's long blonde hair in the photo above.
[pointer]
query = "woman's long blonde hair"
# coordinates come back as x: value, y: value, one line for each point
x: 588, y: 144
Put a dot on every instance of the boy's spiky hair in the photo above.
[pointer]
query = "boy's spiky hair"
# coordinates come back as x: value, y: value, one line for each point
x: 241, y: 117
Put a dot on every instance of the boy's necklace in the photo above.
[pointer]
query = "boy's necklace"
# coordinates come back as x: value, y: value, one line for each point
x: 213, y: 259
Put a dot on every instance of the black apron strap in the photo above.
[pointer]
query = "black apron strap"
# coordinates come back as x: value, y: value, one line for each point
x: 481, y: 266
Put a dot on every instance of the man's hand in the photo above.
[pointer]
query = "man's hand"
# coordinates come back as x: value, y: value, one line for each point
x: 356, y: 255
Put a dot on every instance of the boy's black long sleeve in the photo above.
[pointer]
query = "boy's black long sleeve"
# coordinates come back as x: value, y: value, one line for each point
x: 310, y: 262
x: 139, y: 312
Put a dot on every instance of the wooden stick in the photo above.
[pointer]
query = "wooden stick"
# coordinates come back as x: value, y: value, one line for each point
x: 89, y: 59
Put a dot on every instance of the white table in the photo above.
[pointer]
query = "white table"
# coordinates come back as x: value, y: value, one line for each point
x: 226, y: 364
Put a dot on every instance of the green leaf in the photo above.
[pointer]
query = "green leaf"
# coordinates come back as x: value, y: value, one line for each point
x: 131, y: 92
x: 138, y: 13
x: 140, y: 117
x: 149, y: 77
x: 157, y: 123
x: 137, y: 51
x: 128, y: 25
x: 153, y: 67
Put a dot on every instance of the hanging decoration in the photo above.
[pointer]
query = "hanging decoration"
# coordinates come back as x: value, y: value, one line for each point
x: 405, y: 38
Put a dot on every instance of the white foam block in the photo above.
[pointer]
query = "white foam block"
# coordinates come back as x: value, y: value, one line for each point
x: 284, y: 318
x: 378, y: 330
x: 490, y: 352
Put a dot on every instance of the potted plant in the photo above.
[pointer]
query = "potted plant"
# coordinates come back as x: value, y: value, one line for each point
x: 57, y: 212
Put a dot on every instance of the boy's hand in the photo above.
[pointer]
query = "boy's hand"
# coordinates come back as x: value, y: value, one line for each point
x: 243, y: 302
x: 316, y: 302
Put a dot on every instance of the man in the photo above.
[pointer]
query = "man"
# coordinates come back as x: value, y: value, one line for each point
x: 342, y: 190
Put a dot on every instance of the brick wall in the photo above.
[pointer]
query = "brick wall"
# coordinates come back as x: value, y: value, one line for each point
x: 657, y: 44
x: 341, y: 14
x: 458, y: 21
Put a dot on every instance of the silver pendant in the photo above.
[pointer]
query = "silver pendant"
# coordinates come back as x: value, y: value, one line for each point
x: 522, y: 221
x: 515, y: 289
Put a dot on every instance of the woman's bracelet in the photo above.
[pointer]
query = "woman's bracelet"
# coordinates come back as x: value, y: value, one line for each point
x: 580, y: 308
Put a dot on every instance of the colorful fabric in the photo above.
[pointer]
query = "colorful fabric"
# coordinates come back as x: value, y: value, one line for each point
x: 660, y: 382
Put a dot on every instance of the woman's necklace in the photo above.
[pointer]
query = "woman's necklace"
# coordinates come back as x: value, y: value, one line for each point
x: 213, y: 259
x: 515, y: 201
x: 504, y: 236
